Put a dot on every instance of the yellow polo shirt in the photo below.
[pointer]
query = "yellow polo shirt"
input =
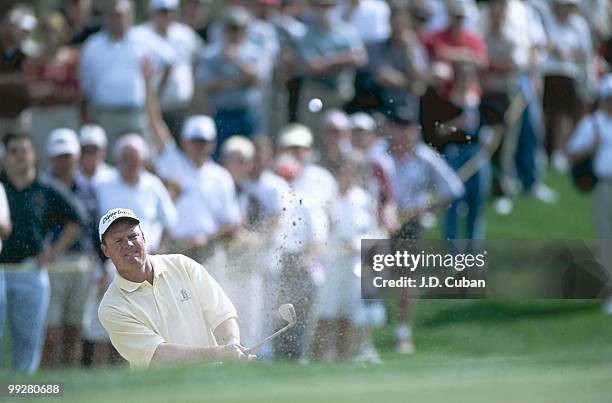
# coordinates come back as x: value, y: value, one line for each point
x: 184, y: 305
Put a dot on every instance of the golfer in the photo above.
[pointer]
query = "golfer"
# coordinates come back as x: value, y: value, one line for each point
x: 162, y: 308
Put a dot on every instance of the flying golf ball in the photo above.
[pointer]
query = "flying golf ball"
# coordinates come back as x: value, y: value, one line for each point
x: 315, y: 105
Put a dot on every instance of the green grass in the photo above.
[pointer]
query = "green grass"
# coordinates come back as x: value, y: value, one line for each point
x: 467, y: 351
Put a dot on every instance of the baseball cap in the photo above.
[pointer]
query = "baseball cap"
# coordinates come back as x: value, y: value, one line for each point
x: 337, y: 119
x: 605, y: 87
x: 199, y: 127
x: 238, y: 145
x: 113, y: 215
x: 295, y: 135
x: 134, y: 141
x: 155, y: 5
x: 363, y: 122
x: 63, y: 141
x: 92, y: 135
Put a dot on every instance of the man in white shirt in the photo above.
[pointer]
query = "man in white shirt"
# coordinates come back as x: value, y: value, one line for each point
x: 205, y: 197
x: 111, y: 76
x: 93, y: 169
x: 177, y: 90
x: 593, y: 138
x: 163, y: 308
x: 421, y: 182
x: 315, y: 184
x: 137, y: 189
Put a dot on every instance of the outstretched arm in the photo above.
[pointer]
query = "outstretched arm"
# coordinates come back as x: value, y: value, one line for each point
x: 159, y: 130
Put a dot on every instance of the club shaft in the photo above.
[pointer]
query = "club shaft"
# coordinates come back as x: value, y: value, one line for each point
x: 267, y: 339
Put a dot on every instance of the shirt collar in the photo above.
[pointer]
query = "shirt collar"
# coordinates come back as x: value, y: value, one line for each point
x: 130, y: 286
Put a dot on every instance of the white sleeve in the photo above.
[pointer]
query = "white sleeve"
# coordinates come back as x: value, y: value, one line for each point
x: 583, y: 135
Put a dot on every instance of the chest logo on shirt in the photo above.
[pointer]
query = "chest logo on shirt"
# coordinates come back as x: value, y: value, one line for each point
x: 185, y: 295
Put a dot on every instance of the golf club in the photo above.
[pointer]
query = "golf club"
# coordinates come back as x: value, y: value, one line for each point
x: 287, y: 312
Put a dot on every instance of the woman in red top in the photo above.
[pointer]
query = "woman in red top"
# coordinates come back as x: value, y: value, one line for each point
x: 52, y: 79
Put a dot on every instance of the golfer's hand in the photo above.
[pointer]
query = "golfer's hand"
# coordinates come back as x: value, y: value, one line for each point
x: 234, y: 351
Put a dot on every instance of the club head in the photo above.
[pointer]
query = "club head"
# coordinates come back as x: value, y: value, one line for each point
x: 287, y: 312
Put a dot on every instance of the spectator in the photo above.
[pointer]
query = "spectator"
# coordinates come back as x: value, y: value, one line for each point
x: 416, y: 171
x: 244, y: 271
x: 371, y: 151
x: 398, y: 65
x: 340, y: 302
x: 569, y: 47
x: 93, y: 170
x: 231, y: 72
x: 204, y: 192
x: 264, y: 191
x: 137, y: 189
x: 177, y: 89
x: 297, y: 244
x: 81, y: 20
x: 315, y: 183
x: 290, y: 31
x: 593, y: 139
x: 14, y: 97
x: 70, y: 273
x: 331, y: 53
x: 335, y: 138
x: 455, y: 44
x: 111, y: 76
x: 35, y: 209
x: 53, y: 83
x: 462, y: 148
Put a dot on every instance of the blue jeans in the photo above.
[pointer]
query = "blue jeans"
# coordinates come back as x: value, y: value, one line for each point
x: 476, y: 188
x: 530, y: 135
x: 24, y: 299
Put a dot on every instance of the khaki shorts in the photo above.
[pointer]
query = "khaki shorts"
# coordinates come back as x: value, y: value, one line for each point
x: 69, y: 277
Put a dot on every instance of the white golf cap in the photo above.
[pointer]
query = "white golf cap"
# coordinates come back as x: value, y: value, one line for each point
x: 113, y: 215
x: 362, y: 121
x: 134, y: 141
x: 63, y: 141
x: 238, y: 145
x: 336, y: 118
x: 93, y: 135
x: 199, y: 127
x: 605, y: 87
x: 295, y: 135
x: 155, y: 5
